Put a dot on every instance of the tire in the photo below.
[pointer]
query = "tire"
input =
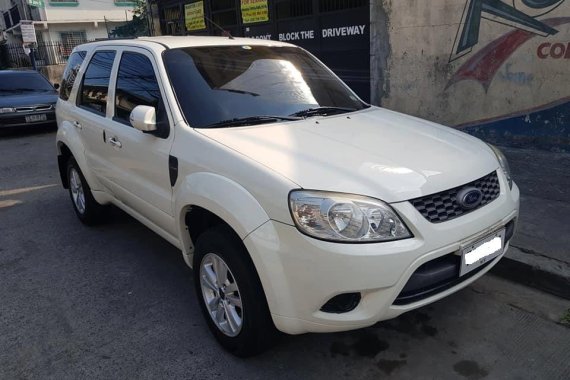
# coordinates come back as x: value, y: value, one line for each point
x: 85, y: 206
x: 240, y: 299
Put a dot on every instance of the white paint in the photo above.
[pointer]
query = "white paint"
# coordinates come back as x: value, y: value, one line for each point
x: 245, y: 174
x: 296, y: 36
x: 344, y: 31
x: 263, y: 37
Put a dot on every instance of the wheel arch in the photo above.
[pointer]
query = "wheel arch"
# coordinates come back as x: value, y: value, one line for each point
x: 206, y: 199
x: 70, y: 144
x: 63, y: 156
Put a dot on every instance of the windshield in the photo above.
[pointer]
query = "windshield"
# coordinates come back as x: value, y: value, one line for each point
x: 217, y: 84
x: 16, y: 82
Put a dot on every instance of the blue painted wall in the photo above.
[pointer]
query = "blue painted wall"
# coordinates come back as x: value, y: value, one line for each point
x: 546, y: 129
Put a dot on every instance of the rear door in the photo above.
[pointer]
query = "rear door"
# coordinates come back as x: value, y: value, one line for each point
x: 138, y: 162
x: 92, y: 111
x: 65, y: 110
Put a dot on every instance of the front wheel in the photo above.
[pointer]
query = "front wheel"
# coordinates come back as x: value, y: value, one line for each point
x: 230, y: 293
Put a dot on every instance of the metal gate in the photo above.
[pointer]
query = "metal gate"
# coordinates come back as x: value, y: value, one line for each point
x: 336, y: 31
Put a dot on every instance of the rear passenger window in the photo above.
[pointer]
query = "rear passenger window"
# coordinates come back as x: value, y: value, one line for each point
x: 136, y: 85
x: 71, y: 70
x: 95, y: 87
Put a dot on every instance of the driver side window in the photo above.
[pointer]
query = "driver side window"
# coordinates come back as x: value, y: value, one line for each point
x: 136, y: 85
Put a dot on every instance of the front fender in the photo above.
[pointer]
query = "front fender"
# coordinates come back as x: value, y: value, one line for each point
x: 223, y: 197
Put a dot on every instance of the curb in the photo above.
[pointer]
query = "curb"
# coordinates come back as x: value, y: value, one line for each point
x: 536, y: 272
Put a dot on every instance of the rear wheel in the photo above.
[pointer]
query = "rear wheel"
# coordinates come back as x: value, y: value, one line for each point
x: 230, y: 293
x: 85, y: 206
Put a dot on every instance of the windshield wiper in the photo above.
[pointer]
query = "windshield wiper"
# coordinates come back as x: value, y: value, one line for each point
x: 323, y: 111
x: 238, y: 91
x: 251, y: 120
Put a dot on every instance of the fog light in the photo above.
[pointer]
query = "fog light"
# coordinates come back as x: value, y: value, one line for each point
x: 342, y: 303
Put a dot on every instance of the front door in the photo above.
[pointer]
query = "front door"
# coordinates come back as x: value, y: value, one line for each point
x: 138, y: 161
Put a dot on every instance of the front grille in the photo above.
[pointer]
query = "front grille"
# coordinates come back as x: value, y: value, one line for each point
x: 443, y: 206
x: 38, y: 107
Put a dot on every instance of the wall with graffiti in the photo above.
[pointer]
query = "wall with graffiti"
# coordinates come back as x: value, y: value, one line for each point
x: 499, y: 69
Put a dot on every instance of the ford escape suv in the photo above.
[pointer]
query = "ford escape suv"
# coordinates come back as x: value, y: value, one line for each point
x: 299, y: 207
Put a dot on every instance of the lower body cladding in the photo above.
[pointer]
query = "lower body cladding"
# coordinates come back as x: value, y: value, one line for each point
x: 318, y: 286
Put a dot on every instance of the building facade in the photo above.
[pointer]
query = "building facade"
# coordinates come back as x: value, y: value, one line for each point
x: 67, y: 21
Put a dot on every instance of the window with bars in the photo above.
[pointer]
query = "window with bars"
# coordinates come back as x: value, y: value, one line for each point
x: 338, y: 5
x: 294, y: 8
x: 73, y: 38
x: 173, y: 20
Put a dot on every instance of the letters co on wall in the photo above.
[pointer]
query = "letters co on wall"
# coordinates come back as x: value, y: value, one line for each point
x: 336, y: 31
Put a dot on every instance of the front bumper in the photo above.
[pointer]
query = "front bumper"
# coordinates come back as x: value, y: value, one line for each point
x: 18, y: 119
x: 300, y: 274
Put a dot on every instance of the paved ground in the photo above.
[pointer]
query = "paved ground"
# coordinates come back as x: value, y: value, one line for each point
x: 540, y: 254
x: 544, y: 180
x: 116, y: 301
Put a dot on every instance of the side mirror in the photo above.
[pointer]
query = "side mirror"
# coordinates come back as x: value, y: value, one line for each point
x: 143, y: 118
x: 56, y: 86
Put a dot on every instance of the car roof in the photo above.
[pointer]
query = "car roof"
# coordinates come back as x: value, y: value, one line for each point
x: 172, y: 42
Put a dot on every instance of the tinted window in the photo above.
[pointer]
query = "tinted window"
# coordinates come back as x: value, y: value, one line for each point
x: 95, y: 88
x: 136, y: 85
x: 24, y: 81
x: 70, y: 73
x: 220, y: 83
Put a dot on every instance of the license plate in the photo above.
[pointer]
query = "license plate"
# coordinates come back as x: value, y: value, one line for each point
x: 474, y: 255
x: 36, y: 118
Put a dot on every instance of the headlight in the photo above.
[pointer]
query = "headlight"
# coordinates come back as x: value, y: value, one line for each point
x: 7, y: 110
x: 504, y: 164
x: 345, y: 218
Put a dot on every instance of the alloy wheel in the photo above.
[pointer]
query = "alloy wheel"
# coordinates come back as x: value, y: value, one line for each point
x: 221, y: 295
x: 77, y: 193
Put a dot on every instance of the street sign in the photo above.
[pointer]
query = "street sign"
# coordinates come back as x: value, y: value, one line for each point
x: 28, y: 32
x: 36, y: 3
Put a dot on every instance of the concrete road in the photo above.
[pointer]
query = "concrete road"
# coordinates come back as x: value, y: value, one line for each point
x: 116, y: 301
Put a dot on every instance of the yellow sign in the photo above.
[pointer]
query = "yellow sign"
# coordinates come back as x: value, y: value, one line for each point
x: 194, y: 16
x: 253, y: 11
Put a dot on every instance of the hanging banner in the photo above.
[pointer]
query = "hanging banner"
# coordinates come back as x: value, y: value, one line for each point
x: 253, y: 11
x: 194, y: 16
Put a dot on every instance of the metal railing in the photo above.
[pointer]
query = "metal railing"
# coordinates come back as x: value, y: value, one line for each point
x: 46, y: 53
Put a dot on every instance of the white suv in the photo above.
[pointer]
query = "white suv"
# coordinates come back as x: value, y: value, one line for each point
x: 300, y: 207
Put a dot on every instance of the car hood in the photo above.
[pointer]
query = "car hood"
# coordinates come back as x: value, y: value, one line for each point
x: 374, y: 152
x: 27, y: 99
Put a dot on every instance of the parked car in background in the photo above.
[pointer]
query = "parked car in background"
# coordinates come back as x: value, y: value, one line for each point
x: 27, y: 99
x: 300, y: 207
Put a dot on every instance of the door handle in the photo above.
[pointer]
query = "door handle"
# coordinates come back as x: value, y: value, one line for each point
x: 113, y: 141
x: 77, y: 125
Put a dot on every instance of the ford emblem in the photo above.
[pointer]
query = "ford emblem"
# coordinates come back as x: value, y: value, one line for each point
x: 469, y: 198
